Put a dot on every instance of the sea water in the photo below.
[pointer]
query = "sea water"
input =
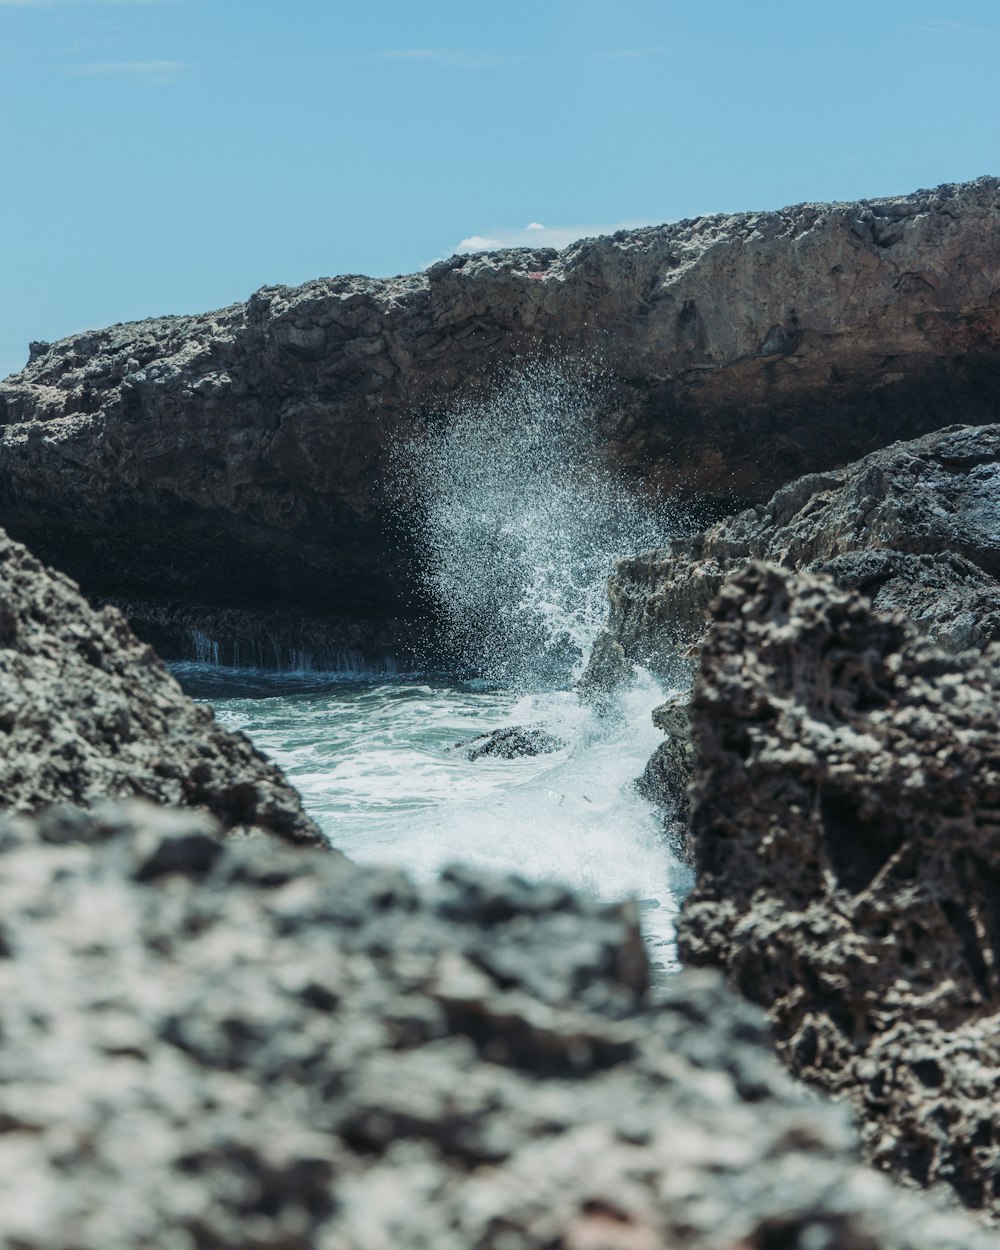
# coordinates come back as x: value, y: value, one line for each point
x: 517, y: 526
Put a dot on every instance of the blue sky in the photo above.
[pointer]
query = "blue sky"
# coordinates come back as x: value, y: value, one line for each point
x: 162, y: 156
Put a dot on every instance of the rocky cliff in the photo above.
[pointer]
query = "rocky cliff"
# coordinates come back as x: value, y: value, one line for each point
x: 847, y: 842
x: 239, y: 458
x: 240, y: 1045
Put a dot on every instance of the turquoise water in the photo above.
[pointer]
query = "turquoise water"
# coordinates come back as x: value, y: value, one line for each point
x: 516, y: 520
x: 376, y: 763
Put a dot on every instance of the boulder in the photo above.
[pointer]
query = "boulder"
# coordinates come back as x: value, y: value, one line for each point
x: 89, y: 712
x: 510, y: 743
x: 238, y: 1044
x: 668, y: 774
x: 845, y: 816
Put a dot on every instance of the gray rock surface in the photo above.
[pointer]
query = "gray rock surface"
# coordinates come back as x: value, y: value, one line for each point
x: 240, y: 457
x: 88, y: 712
x: 667, y: 776
x: 223, y: 1045
x: 511, y: 743
x: 847, y: 837
x: 916, y: 526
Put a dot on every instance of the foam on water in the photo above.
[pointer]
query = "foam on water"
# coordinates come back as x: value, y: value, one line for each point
x: 518, y: 520
x: 378, y: 768
x: 518, y: 524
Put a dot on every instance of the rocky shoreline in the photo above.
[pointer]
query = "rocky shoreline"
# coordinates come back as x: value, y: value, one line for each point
x: 217, y: 1032
x: 241, y: 459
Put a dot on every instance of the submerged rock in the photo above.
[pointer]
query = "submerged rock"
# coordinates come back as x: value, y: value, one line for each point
x: 240, y: 1044
x: 511, y: 743
x: 241, y: 457
x: 88, y: 712
x: 846, y: 822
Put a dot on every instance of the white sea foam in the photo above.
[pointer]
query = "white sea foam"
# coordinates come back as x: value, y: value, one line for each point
x: 519, y: 519
x: 378, y: 768
x: 518, y: 524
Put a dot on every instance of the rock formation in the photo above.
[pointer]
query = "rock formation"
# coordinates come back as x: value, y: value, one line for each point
x: 88, y: 712
x: 240, y: 458
x: 510, y: 743
x: 239, y: 1044
x: 915, y: 526
x: 846, y: 822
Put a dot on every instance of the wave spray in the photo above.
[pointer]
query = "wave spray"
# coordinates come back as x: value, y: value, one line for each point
x: 518, y: 522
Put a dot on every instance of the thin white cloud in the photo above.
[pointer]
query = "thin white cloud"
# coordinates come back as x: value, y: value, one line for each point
x: 453, y: 58
x: 51, y: 4
x: 158, y: 73
x: 951, y: 28
x: 632, y: 53
x: 537, y: 235
x: 479, y: 243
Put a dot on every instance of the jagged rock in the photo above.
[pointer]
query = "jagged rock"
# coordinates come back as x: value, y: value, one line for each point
x: 273, y: 1048
x: 668, y: 774
x: 88, y: 712
x: 916, y: 526
x: 846, y: 821
x: 511, y: 743
x: 243, y: 454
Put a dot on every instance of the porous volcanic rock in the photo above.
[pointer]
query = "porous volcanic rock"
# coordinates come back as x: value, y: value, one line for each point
x: 846, y: 821
x: 88, y: 712
x: 915, y: 526
x: 667, y: 776
x: 510, y: 743
x: 242, y: 1045
x: 240, y: 457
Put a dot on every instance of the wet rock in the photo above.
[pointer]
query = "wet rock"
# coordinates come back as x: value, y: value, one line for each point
x: 282, y: 1049
x: 511, y: 743
x: 845, y: 822
x: 915, y: 526
x: 88, y: 712
x: 668, y: 774
x: 249, y: 448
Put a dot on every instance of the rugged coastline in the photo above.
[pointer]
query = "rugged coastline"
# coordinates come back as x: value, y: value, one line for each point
x: 239, y: 459
x: 218, y: 1032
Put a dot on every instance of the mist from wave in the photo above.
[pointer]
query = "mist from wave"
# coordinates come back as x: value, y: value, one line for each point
x: 518, y: 520
x: 518, y: 523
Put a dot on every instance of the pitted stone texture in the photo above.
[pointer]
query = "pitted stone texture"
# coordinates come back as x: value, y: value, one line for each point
x: 88, y: 712
x: 249, y: 447
x: 915, y: 526
x: 266, y: 1047
x: 846, y: 823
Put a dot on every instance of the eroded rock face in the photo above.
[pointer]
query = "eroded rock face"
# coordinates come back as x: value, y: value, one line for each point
x: 248, y: 448
x: 846, y: 822
x: 88, y: 712
x: 915, y: 526
x: 238, y: 1044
